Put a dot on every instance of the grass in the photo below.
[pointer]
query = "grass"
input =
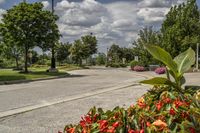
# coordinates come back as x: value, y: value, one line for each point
x: 36, y: 73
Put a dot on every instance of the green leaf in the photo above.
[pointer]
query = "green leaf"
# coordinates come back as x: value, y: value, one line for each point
x: 163, y: 56
x: 158, y: 81
x: 185, y: 60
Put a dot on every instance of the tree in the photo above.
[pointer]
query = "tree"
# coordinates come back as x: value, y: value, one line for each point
x: 29, y: 25
x: 63, y: 52
x: 128, y: 54
x: 101, y: 59
x: 13, y: 52
x: 83, y: 48
x: 78, y: 51
x: 90, y: 42
x: 181, y: 28
x: 146, y: 37
x: 115, y: 53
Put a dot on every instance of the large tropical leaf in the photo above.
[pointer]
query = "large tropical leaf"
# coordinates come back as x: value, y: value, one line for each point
x: 163, y: 56
x: 158, y: 81
x: 185, y: 60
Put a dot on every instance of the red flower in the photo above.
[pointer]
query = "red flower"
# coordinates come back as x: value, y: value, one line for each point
x: 172, y: 111
x: 133, y: 131
x: 116, y: 124
x: 71, y: 130
x: 142, y: 131
x: 159, y: 105
x: 192, y: 130
x: 167, y: 100
x: 148, y: 124
x: 103, y: 125
x: 184, y: 115
x: 178, y: 103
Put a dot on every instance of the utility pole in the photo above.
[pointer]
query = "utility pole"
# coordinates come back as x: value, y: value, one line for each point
x: 197, y: 58
x: 53, y: 60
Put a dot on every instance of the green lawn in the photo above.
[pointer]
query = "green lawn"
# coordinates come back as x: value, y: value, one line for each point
x: 36, y: 72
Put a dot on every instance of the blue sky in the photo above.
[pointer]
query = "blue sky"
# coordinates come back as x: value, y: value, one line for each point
x: 112, y: 21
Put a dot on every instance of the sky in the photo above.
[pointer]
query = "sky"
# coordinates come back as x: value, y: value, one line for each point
x: 111, y: 21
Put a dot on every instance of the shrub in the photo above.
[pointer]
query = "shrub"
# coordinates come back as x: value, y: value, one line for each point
x: 139, y: 68
x: 160, y: 70
x: 134, y: 63
x: 123, y: 65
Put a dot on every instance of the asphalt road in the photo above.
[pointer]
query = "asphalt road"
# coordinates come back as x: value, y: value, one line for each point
x: 53, y: 118
x: 83, y: 81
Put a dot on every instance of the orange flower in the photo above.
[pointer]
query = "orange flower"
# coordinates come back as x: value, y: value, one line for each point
x: 160, y: 123
x: 71, y: 130
x: 141, y: 102
x: 111, y: 130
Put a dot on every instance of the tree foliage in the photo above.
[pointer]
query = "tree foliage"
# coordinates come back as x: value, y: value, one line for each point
x: 101, y: 59
x: 63, y: 51
x: 181, y: 28
x: 28, y: 25
x: 146, y: 37
x: 83, y: 48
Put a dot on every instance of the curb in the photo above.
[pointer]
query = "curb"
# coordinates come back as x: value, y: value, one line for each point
x: 66, y: 99
x: 33, y: 80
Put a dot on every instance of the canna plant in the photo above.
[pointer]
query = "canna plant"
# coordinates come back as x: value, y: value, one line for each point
x: 175, y: 67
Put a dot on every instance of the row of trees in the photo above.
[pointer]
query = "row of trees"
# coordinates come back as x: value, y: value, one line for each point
x: 180, y: 30
x: 26, y: 26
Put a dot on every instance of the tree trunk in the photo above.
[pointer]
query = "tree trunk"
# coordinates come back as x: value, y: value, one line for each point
x: 53, y: 60
x: 43, y: 57
x: 17, y: 62
x: 80, y: 62
x: 26, y: 60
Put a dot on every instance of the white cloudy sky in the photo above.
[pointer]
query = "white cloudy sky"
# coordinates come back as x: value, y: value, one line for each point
x: 111, y: 21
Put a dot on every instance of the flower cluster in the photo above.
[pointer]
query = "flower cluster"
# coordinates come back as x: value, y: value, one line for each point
x: 160, y: 70
x: 170, y: 111
x: 138, y: 68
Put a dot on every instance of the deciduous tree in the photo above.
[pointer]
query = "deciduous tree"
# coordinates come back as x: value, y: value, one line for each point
x: 29, y: 25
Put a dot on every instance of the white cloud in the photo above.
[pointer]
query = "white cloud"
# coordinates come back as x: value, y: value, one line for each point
x: 155, y: 3
x: 46, y: 4
x: 115, y: 22
x: 152, y: 15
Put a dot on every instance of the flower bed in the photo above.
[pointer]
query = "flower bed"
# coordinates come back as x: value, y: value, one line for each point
x: 160, y: 70
x: 164, y: 113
